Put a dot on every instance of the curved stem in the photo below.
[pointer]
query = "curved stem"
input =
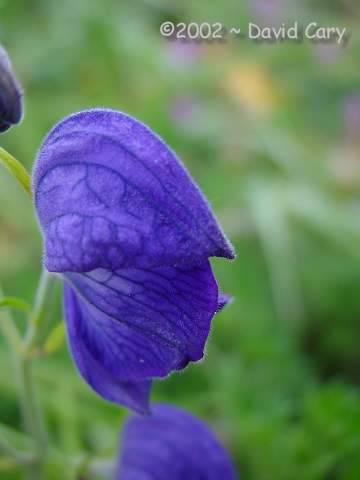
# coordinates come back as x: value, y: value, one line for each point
x: 16, y: 169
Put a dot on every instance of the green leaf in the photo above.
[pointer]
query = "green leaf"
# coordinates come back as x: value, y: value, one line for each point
x: 14, y: 303
x: 56, y: 339
x: 18, y: 439
x: 16, y: 169
x: 15, y: 445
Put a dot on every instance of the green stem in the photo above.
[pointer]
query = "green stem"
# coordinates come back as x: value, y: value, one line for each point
x: 22, y: 350
x: 33, y: 419
x: 16, y: 169
x: 37, y: 317
x: 10, y: 333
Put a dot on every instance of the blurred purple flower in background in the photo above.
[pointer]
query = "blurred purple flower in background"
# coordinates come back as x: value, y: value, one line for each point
x: 183, y: 110
x: 171, y: 445
x: 351, y: 115
x: 327, y: 53
x: 132, y: 235
x: 10, y: 94
x: 183, y: 54
x: 269, y: 12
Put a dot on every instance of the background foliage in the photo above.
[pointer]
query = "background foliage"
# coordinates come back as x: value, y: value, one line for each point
x: 272, y: 135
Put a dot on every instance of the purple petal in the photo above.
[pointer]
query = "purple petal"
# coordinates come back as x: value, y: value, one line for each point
x: 108, y: 385
x: 110, y: 194
x: 141, y: 323
x: 10, y: 94
x: 172, y: 445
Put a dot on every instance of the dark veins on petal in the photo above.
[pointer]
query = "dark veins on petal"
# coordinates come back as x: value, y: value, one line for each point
x: 141, y: 323
x: 132, y: 394
x: 109, y: 193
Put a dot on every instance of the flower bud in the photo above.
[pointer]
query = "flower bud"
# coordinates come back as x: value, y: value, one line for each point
x: 10, y: 94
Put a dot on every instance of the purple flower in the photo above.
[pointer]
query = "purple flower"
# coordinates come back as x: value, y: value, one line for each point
x: 171, y: 444
x: 132, y: 234
x: 10, y: 94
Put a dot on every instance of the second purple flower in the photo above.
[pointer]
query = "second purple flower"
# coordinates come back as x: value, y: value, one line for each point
x: 132, y: 235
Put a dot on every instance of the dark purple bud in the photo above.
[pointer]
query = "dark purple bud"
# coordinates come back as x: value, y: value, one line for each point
x: 132, y: 234
x: 171, y: 444
x: 10, y: 94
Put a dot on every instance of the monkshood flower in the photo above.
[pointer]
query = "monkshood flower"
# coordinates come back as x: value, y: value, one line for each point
x: 171, y: 445
x: 10, y: 94
x: 131, y: 234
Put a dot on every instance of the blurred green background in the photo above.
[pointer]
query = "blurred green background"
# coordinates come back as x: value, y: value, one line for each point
x: 272, y: 135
